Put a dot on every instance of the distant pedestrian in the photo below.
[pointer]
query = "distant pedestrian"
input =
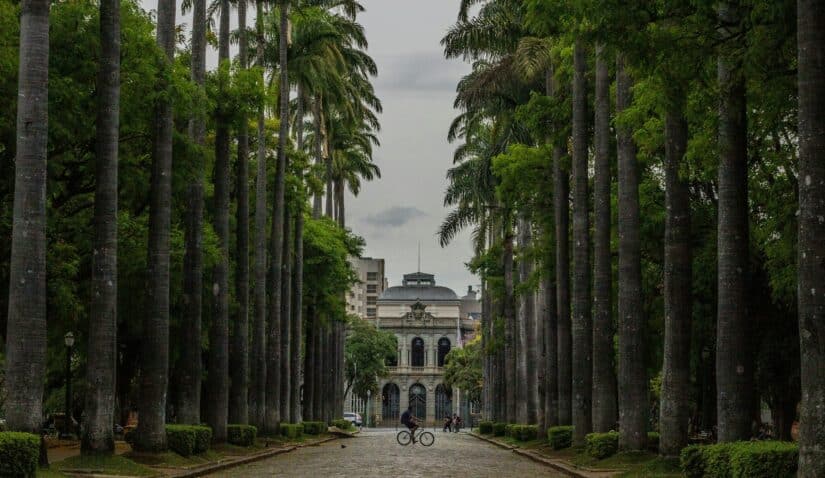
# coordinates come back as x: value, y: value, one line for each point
x: 448, y: 424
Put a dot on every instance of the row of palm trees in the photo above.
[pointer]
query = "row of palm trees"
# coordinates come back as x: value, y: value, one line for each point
x: 550, y: 352
x: 256, y: 373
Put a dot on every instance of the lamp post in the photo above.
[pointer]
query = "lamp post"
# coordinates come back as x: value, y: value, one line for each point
x: 68, y: 339
x: 369, y: 407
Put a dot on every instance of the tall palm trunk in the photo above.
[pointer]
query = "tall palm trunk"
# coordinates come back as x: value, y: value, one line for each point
x: 154, y: 378
x: 674, y: 412
x: 218, y: 375
x: 26, y: 328
x: 811, y: 40
x: 273, y: 409
x: 286, y: 315
x: 510, y: 361
x: 319, y: 154
x: 257, y: 394
x: 734, y: 370
x: 632, y: 381
x: 527, y: 330
x: 297, y: 318
x: 308, y: 405
x: 239, y: 358
x: 98, y: 436
x: 604, y: 369
x: 189, y: 366
x: 561, y: 221
x: 582, y: 329
x: 551, y: 357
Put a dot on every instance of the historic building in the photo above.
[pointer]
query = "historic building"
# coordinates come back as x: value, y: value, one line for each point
x: 428, y: 321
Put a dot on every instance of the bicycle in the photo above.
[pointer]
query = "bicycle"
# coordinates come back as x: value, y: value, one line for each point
x: 422, y: 436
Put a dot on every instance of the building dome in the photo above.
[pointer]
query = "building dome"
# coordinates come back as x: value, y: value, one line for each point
x: 419, y: 287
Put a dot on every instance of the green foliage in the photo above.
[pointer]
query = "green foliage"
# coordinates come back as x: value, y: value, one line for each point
x: 187, y: 440
x: 499, y: 429
x: 462, y: 369
x: 241, y: 435
x: 292, y: 430
x: 314, y: 428
x: 343, y: 424
x: 367, y: 351
x: 560, y: 437
x: 601, y: 445
x: 522, y: 432
x: 753, y: 459
x: 19, y: 453
x: 107, y: 465
x: 485, y: 427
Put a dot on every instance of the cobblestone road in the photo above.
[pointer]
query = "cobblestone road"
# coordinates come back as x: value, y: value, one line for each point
x: 376, y: 454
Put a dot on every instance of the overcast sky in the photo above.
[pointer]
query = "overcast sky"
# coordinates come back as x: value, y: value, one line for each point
x: 417, y: 87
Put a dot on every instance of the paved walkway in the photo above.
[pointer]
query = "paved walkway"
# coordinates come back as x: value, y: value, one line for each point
x: 375, y: 453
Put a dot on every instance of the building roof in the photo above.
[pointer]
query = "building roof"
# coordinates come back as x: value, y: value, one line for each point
x: 419, y: 286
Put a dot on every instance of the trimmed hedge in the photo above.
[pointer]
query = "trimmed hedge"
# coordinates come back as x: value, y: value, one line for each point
x: 19, y: 453
x: 602, y: 445
x: 560, y: 437
x: 343, y: 424
x: 499, y: 429
x: 757, y: 459
x: 186, y: 440
x: 314, y: 428
x: 241, y: 435
x: 292, y: 430
x: 485, y: 428
x: 521, y: 432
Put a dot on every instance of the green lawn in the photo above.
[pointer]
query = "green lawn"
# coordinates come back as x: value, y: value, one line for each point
x: 50, y: 473
x: 110, y: 465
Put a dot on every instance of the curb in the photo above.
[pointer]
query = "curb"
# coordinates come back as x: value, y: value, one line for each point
x: 560, y: 467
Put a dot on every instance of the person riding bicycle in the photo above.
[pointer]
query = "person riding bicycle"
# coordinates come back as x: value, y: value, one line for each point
x: 410, y: 421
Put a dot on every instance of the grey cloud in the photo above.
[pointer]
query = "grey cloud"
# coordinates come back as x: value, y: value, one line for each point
x: 424, y: 71
x: 395, y: 216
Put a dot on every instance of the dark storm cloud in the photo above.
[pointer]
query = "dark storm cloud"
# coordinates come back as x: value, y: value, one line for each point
x: 395, y: 216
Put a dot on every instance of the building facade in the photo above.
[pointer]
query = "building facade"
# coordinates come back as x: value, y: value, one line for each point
x: 362, y: 299
x: 428, y: 320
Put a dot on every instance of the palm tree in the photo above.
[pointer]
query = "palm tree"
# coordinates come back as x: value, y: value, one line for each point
x: 239, y: 358
x: 604, y: 374
x: 286, y: 315
x: 218, y: 378
x: 26, y: 329
x: 734, y: 373
x: 810, y: 15
x: 98, y: 436
x: 258, y: 359
x: 582, y: 330
x: 190, y: 367
x: 527, y: 328
x: 151, y: 432
x: 632, y: 379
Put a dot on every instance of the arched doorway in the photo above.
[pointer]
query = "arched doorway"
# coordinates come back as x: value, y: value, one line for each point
x: 390, y: 397
x: 418, y: 401
x: 443, y: 402
x: 443, y: 349
x: 417, y: 353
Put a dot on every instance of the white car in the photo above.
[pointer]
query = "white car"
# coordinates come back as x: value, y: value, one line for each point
x: 353, y: 418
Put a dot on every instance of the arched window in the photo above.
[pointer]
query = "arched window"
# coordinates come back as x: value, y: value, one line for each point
x: 390, y: 403
x: 443, y: 402
x: 443, y: 350
x: 418, y: 401
x: 417, y: 355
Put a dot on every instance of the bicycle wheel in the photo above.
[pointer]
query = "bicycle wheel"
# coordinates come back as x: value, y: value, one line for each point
x: 426, y: 438
x: 403, y: 437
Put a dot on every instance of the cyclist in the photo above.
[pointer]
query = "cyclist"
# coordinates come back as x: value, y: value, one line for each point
x: 410, y: 421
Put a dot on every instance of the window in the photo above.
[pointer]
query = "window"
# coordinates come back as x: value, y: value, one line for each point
x: 443, y: 350
x: 372, y: 276
x: 371, y: 300
x: 372, y: 288
x: 417, y: 357
x: 371, y: 312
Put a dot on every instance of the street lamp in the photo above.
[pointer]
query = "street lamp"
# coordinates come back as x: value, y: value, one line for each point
x: 68, y: 339
x: 369, y: 394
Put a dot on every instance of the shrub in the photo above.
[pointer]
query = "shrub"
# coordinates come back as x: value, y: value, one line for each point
x: 292, y: 430
x: 653, y: 442
x: 203, y: 439
x: 764, y: 459
x: 499, y: 429
x: 560, y: 437
x: 343, y: 424
x: 601, y: 445
x: 717, y: 460
x: 314, y: 428
x: 19, y: 453
x: 508, y: 430
x: 691, y: 461
x: 485, y: 428
x: 186, y: 440
x: 241, y: 435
